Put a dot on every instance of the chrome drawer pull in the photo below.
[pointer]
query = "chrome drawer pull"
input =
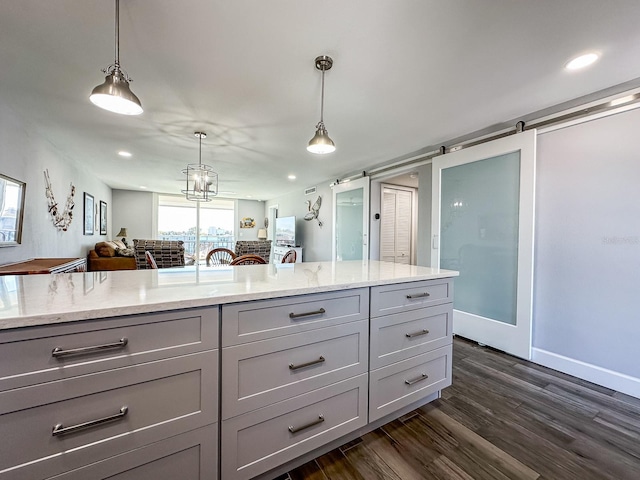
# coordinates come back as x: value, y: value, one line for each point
x: 60, y: 352
x: 416, y: 334
x: 416, y: 380
x: 307, y: 314
x: 418, y: 295
x: 293, y: 429
x: 60, y: 429
x: 308, y: 364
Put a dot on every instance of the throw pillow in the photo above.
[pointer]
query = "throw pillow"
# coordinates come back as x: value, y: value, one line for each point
x: 124, y: 252
x: 105, y: 249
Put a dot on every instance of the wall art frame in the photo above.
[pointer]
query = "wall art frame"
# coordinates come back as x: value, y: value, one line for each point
x: 89, y: 213
x: 103, y: 218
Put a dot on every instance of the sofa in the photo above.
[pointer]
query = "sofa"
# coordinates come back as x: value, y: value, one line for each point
x: 166, y: 253
x: 254, y: 247
x: 110, y: 256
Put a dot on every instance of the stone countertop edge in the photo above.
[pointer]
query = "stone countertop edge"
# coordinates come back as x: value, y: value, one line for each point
x: 77, y: 312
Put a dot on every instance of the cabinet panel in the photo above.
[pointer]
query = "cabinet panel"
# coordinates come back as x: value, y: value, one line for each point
x: 404, y: 335
x: 44, y: 354
x: 265, y: 372
x: 143, y: 404
x: 402, y: 383
x: 403, y: 297
x: 252, y: 321
x: 190, y: 456
x: 261, y: 440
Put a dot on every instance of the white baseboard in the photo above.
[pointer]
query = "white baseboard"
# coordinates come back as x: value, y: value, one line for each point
x: 592, y: 373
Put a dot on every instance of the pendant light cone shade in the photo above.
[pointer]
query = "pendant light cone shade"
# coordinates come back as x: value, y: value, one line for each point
x: 202, y: 181
x: 321, y: 143
x: 115, y: 94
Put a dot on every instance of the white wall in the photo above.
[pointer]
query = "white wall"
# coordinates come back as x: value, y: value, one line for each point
x: 587, y: 257
x: 24, y: 155
x: 315, y: 240
x: 137, y: 212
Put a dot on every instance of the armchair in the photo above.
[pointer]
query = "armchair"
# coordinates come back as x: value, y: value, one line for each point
x: 261, y: 248
x: 167, y: 253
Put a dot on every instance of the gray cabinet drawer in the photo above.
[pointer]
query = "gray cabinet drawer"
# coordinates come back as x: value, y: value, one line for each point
x: 404, y: 335
x: 265, y: 372
x: 190, y: 456
x: 400, y: 384
x: 162, y: 398
x: 259, y: 441
x: 259, y: 320
x: 90, y: 346
x: 402, y: 297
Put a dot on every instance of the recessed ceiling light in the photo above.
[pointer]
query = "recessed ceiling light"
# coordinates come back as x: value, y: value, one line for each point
x: 291, y: 177
x: 249, y: 196
x: 622, y: 100
x: 123, y: 153
x: 581, y: 61
x: 142, y: 186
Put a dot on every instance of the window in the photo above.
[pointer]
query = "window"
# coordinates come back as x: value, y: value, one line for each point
x: 177, y: 218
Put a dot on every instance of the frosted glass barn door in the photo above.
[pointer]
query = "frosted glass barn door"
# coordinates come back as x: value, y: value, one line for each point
x: 351, y: 220
x: 482, y: 218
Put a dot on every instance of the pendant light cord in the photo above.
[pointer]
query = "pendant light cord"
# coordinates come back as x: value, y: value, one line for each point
x: 322, y: 100
x: 200, y: 150
x: 117, y: 33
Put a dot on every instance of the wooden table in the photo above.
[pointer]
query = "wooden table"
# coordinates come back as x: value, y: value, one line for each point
x: 44, y: 265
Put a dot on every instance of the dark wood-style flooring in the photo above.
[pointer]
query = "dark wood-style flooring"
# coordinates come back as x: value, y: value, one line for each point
x: 503, y: 418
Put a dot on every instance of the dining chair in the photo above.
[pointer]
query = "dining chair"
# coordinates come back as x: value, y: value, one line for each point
x: 220, y: 256
x: 150, y: 260
x: 289, y: 257
x: 248, y: 260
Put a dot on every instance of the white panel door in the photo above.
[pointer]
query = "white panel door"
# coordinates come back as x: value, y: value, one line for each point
x: 396, y: 225
x: 404, y: 217
x: 351, y: 220
x: 482, y: 219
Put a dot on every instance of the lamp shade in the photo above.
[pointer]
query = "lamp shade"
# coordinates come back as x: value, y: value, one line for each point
x: 321, y: 143
x: 115, y: 95
x: 122, y: 233
x: 262, y: 233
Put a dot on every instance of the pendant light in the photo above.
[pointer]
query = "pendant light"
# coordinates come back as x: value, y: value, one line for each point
x: 114, y: 94
x: 202, y: 181
x: 321, y: 143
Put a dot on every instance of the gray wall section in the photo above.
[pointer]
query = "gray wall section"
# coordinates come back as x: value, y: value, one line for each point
x: 315, y: 240
x: 252, y: 209
x: 137, y: 212
x: 423, y: 237
x: 24, y: 155
x: 375, y: 206
x: 587, y: 257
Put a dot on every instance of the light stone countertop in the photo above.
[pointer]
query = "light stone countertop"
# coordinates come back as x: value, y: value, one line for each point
x: 28, y: 300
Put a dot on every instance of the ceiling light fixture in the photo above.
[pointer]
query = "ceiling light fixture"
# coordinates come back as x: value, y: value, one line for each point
x: 623, y: 100
x: 122, y: 153
x: 202, y: 181
x: 321, y: 143
x: 114, y: 94
x: 291, y: 177
x: 581, y: 61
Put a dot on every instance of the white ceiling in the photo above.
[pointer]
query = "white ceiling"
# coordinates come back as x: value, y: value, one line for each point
x: 407, y: 74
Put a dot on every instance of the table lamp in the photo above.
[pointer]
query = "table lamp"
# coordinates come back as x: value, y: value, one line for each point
x: 123, y: 233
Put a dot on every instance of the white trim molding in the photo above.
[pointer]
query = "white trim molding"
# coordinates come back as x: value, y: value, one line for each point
x: 587, y: 371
